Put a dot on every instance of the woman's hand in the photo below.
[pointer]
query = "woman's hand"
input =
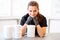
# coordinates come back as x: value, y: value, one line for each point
x: 41, y: 31
x: 23, y: 29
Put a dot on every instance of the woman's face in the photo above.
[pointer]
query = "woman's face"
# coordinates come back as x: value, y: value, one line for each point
x: 33, y: 11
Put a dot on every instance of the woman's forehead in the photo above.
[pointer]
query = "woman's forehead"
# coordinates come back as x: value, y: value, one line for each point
x: 32, y: 7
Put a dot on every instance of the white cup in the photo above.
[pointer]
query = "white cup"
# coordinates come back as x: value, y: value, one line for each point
x: 30, y: 30
x: 8, y: 31
x: 17, y: 31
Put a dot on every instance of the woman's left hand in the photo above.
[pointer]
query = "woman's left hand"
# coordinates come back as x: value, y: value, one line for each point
x: 41, y: 31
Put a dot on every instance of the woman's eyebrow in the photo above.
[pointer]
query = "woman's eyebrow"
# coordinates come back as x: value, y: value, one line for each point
x: 34, y: 10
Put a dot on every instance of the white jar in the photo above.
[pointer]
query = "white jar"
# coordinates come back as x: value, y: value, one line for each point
x: 30, y: 30
x: 17, y: 31
x: 8, y: 32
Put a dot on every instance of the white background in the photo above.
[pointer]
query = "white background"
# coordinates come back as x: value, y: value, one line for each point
x: 18, y: 8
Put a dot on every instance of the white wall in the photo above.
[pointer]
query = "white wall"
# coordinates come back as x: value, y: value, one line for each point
x: 19, y: 7
x: 54, y: 25
x: 5, y: 7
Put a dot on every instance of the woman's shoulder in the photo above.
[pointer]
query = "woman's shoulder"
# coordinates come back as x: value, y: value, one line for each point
x: 25, y: 16
x: 42, y: 16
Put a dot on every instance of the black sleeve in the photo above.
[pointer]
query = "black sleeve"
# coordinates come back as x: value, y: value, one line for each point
x: 22, y: 22
x: 43, y: 22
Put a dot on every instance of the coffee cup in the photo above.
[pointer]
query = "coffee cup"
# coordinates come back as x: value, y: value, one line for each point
x: 17, y: 31
x: 30, y: 30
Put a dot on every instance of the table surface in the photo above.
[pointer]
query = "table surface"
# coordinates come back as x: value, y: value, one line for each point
x: 51, y: 36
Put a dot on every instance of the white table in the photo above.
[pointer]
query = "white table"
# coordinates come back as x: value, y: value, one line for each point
x: 52, y: 36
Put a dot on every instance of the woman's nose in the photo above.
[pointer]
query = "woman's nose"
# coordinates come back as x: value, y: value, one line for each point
x: 33, y: 13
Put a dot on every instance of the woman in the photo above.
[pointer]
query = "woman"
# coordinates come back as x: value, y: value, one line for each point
x: 33, y: 17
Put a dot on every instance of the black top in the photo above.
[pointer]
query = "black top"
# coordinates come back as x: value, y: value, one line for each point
x: 43, y: 23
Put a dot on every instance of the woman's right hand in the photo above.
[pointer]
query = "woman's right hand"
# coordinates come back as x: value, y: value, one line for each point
x: 23, y: 29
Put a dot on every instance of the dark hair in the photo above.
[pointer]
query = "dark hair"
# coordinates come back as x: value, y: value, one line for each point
x: 33, y: 3
x: 39, y: 17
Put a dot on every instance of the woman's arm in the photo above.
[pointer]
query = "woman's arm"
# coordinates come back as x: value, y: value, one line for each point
x: 41, y: 31
x: 23, y: 29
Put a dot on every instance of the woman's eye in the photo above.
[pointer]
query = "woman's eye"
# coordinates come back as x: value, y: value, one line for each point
x: 30, y: 10
x: 33, y: 11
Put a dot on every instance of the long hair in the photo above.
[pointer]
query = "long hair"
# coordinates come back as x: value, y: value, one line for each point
x: 39, y: 17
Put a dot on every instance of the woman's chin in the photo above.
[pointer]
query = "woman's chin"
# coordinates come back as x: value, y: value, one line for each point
x: 32, y: 16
